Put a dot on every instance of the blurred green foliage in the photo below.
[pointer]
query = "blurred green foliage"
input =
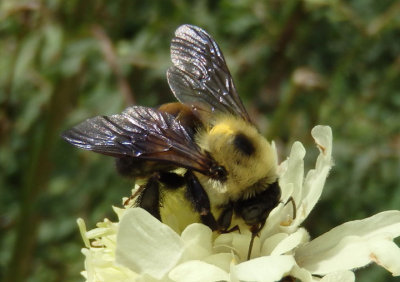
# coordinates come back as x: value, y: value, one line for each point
x: 295, y: 63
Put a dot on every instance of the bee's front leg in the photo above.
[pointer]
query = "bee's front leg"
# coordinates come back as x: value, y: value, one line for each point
x: 225, y: 220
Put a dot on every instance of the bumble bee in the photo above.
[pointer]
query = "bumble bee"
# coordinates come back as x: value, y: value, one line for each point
x: 230, y: 168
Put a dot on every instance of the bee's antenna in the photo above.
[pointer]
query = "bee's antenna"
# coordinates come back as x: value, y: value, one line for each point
x: 253, y: 236
x: 255, y: 230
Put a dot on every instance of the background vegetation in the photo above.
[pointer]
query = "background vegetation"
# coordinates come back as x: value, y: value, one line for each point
x: 296, y: 64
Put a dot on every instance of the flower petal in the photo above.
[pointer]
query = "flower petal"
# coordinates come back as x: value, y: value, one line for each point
x: 198, y: 241
x: 291, y: 242
x: 99, y: 266
x: 322, y: 135
x: 294, y: 172
x: 273, y: 223
x: 271, y: 242
x: 238, y: 243
x: 386, y: 254
x: 145, y: 245
x: 197, y: 271
x: 315, y: 179
x: 221, y: 260
x: 267, y: 268
x: 354, y: 244
x: 83, y: 231
x: 301, y: 274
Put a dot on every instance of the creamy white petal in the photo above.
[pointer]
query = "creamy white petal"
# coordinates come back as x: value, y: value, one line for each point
x: 221, y: 260
x: 351, y: 252
x: 322, y: 135
x: 315, y: 179
x: 264, y: 269
x: 352, y: 245
x: 274, y: 151
x: 291, y: 242
x: 83, y: 231
x: 272, y: 242
x: 233, y: 274
x: 238, y: 243
x: 386, y: 254
x: 198, y: 241
x: 278, y: 243
x: 197, y: 271
x: 294, y: 172
x: 145, y: 278
x: 145, y: 245
x: 98, y: 232
x: 301, y: 273
x: 286, y: 214
x: 89, y: 267
x: 223, y: 243
x: 99, y: 266
x: 120, y: 212
x: 273, y: 223
x: 342, y: 276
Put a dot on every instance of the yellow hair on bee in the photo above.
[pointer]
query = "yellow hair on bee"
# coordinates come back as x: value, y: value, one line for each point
x: 246, y: 155
x: 221, y: 128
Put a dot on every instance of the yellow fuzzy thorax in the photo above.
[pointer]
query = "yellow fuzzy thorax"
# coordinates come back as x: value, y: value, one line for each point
x: 247, y: 174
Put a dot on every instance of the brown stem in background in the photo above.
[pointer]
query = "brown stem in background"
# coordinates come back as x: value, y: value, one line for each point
x: 36, y: 182
x: 278, y: 60
x: 282, y: 112
x: 109, y: 54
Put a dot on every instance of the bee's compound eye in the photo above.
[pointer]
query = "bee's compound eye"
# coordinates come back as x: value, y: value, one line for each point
x: 219, y: 173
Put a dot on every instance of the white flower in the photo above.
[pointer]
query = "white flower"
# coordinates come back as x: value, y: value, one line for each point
x: 100, y: 248
x: 140, y: 248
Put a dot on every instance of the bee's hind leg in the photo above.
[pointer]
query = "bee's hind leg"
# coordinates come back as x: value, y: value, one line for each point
x: 149, y: 198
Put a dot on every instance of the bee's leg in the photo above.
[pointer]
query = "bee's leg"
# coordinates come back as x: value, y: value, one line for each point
x: 253, y: 236
x: 134, y: 195
x: 255, y: 230
x: 225, y: 220
x: 199, y: 199
x: 293, y: 206
x: 149, y: 198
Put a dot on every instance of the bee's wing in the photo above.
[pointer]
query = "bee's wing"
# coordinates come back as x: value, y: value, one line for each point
x: 200, y: 77
x: 143, y: 133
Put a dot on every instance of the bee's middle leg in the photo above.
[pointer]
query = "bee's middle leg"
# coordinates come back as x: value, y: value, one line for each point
x: 225, y: 220
x: 196, y: 194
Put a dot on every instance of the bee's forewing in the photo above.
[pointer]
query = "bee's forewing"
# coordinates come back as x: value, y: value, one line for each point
x: 142, y: 133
